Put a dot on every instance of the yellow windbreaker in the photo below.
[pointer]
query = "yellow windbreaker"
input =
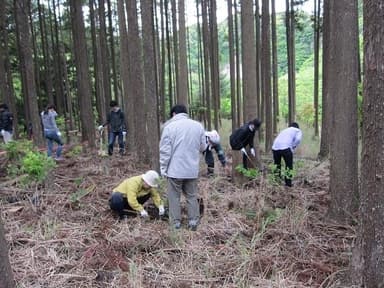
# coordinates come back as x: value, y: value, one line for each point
x: 132, y: 188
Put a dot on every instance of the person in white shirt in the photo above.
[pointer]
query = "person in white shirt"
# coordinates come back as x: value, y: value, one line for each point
x: 283, y: 147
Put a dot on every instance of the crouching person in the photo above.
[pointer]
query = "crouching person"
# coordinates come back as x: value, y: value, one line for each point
x: 130, y: 195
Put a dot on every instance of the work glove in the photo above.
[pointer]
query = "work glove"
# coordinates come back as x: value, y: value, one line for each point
x: 58, y: 133
x: 124, y: 133
x: 253, y: 152
x: 144, y: 213
x: 244, y: 151
x: 161, y: 210
x: 100, y: 128
x: 2, y: 132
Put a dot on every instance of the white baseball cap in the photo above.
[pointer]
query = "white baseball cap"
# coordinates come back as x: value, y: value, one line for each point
x: 151, y: 177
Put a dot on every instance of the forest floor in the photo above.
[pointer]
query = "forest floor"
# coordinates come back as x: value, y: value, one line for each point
x: 63, y: 234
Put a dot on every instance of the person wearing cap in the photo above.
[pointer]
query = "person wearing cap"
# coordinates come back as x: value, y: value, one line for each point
x: 213, y: 141
x: 6, y: 123
x: 243, y: 137
x: 283, y: 147
x: 117, y: 128
x: 182, y: 141
x: 130, y: 195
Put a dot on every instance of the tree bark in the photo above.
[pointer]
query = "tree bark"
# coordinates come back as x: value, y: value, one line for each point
x: 343, y: 90
x: 27, y: 68
x: 371, y: 230
x: 82, y: 74
x: 275, y: 72
x: 183, y: 65
x: 6, y: 274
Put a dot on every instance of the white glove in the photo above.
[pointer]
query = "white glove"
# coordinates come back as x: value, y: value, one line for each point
x: 144, y: 213
x: 2, y: 132
x: 253, y: 152
x: 101, y: 127
x: 209, y: 147
x: 244, y: 151
x: 161, y: 210
x: 124, y: 133
x: 58, y: 133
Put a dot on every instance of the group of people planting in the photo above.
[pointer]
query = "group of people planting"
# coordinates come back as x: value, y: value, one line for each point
x: 182, y: 141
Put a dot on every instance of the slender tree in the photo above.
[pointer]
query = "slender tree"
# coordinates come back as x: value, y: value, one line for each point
x: 6, y: 274
x: 316, y: 27
x: 343, y: 90
x: 136, y: 76
x: 183, y: 68
x: 27, y: 68
x: 82, y: 73
x: 266, y: 75
x: 275, y: 72
x: 370, y: 254
x: 150, y: 83
x: 232, y: 65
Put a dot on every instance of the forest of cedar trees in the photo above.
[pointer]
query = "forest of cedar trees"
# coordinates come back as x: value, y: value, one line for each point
x: 319, y: 63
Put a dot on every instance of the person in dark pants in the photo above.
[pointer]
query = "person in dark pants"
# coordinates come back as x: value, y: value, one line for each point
x: 243, y: 137
x: 213, y: 141
x: 130, y: 195
x: 51, y: 132
x: 116, y: 125
x: 283, y: 147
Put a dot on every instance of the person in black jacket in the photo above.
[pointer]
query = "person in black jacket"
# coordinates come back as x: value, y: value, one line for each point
x: 243, y: 137
x: 116, y: 124
x: 6, y: 123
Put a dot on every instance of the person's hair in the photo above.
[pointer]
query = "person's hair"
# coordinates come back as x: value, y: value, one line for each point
x: 179, y: 108
x: 4, y: 106
x: 113, y: 103
x: 294, y: 124
x: 256, y: 122
x: 49, y: 106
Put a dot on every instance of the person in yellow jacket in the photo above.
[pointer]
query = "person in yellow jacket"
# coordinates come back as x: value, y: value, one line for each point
x: 130, y: 195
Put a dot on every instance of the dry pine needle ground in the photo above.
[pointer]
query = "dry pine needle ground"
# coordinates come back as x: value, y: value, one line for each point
x: 62, y: 234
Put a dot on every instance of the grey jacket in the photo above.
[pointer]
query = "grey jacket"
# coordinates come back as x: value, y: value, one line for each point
x: 182, y: 141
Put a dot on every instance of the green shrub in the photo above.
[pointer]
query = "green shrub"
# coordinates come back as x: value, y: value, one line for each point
x: 249, y: 173
x: 37, y: 165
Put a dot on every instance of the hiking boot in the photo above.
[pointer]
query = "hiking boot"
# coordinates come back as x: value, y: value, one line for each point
x: 192, y: 225
x: 177, y: 225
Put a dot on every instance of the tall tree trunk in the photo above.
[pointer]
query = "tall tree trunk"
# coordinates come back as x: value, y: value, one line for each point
x: 6, y: 274
x: 232, y: 74
x: 163, y: 62
x: 240, y: 113
x: 215, y: 70
x: 6, y: 84
x: 27, y: 68
x: 46, y: 53
x: 258, y: 94
x: 169, y: 57
x: 106, y: 75
x: 97, y: 68
x: 275, y: 72
x: 248, y: 60
x: 316, y: 34
x: 82, y: 74
x: 59, y: 89
x: 343, y: 88
x: 150, y: 83
x: 112, y: 49
x: 266, y: 75
x: 371, y: 231
x: 290, y: 34
x: 175, y: 42
x: 207, y: 68
x: 136, y: 75
x: 129, y: 109
x: 183, y: 69
x: 200, y: 64
x: 327, y: 58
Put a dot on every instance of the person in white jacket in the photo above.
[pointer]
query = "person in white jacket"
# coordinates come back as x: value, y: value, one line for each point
x: 182, y: 141
x: 283, y: 147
